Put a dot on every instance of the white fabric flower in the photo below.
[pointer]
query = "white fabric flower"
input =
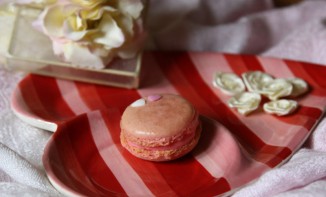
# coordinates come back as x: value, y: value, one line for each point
x: 255, y: 80
x: 97, y: 30
x: 228, y: 83
x: 276, y: 89
x: 280, y: 107
x: 299, y: 86
x: 245, y: 102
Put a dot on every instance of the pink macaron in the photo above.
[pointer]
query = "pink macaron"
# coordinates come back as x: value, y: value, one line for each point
x: 160, y: 127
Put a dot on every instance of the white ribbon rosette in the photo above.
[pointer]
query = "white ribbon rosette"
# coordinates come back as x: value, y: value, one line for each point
x: 299, y: 86
x: 280, y: 107
x: 256, y: 80
x: 266, y: 85
x: 245, y: 102
x: 228, y: 83
x: 276, y: 89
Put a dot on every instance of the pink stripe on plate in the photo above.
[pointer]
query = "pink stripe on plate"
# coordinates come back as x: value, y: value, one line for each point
x: 70, y: 94
x: 124, y: 173
x: 223, y: 150
x: 313, y: 101
x: 275, y: 67
x: 90, y: 96
x: 271, y: 130
x: 213, y: 62
x: 237, y: 167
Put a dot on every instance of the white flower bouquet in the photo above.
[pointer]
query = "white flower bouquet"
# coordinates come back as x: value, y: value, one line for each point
x: 84, y: 34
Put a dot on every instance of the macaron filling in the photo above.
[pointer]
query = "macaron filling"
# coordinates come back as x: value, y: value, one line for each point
x: 182, y: 140
x: 174, y: 151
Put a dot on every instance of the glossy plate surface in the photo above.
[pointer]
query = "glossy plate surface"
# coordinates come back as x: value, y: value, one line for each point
x: 84, y: 156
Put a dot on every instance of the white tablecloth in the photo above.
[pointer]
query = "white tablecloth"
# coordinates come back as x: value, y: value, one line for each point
x: 237, y: 26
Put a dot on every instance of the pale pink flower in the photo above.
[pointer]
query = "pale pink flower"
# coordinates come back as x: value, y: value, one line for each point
x: 91, y: 33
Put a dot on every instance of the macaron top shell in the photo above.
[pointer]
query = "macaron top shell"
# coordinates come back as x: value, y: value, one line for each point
x: 164, y: 116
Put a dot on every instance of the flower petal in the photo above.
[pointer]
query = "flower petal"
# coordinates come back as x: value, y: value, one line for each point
x: 109, y: 33
x: 54, y: 17
x: 81, y: 56
x: 131, y: 7
x: 71, y: 33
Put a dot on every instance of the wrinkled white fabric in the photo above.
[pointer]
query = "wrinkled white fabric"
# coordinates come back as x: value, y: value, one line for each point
x: 236, y: 26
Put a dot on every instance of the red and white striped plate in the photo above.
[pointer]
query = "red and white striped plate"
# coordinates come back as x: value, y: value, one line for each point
x: 85, y: 157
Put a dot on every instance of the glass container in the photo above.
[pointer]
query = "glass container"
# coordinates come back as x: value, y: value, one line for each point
x: 31, y: 51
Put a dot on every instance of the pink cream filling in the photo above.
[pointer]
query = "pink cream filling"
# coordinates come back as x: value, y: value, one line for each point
x: 185, y: 140
x: 187, y: 137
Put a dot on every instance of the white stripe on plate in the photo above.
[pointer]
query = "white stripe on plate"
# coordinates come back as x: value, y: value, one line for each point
x: 70, y: 94
x: 124, y: 173
x: 275, y: 67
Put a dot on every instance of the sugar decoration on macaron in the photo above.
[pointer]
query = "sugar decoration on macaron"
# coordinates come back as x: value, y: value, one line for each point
x: 154, y: 97
x: 138, y: 103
